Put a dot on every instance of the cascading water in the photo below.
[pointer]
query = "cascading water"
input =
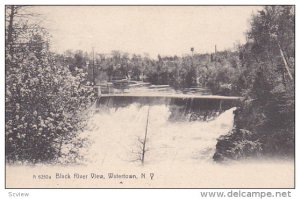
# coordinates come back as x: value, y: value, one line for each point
x: 117, y: 133
x: 181, y: 139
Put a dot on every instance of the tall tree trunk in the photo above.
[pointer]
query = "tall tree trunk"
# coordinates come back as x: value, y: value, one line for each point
x: 10, y: 30
x: 284, y: 61
x: 145, y: 138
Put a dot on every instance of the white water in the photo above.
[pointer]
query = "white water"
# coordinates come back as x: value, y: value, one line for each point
x: 179, y: 155
x: 115, y: 135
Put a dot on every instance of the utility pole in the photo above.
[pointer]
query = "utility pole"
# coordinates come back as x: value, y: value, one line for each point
x: 93, y: 67
x: 192, y: 50
x: 215, y: 59
x: 215, y: 49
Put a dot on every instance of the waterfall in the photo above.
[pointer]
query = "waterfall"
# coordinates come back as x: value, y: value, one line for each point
x: 178, y: 151
x: 116, y: 131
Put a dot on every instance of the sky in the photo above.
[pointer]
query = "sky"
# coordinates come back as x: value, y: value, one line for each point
x: 164, y: 30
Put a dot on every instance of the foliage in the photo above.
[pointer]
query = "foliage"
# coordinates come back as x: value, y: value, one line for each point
x: 44, y: 102
x: 266, y: 83
x: 239, y: 143
x: 218, y: 74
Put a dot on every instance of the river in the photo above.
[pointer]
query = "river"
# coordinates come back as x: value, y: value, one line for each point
x: 179, y: 146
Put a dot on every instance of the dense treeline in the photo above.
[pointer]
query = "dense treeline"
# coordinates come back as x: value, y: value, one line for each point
x: 218, y: 71
x: 265, y: 124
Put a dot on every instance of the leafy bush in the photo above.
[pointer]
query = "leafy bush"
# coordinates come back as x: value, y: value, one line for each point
x: 44, y: 103
x: 239, y: 143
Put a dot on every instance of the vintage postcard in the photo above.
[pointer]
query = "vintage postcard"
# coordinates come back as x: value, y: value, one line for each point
x: 149, y: 96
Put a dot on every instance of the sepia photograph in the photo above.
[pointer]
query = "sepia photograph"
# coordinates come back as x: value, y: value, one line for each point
x: 149, y: 96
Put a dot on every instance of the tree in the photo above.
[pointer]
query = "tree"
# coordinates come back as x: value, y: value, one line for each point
x: 44, y: 101
x: 273, y: 33
x: 267, y: 85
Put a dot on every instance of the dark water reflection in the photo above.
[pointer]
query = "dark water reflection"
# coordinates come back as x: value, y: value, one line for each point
x: 184, y: 108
